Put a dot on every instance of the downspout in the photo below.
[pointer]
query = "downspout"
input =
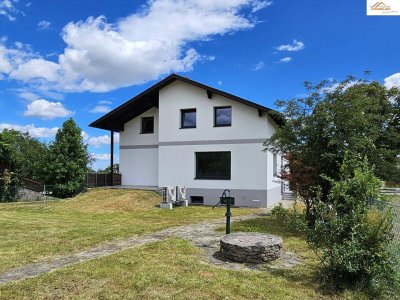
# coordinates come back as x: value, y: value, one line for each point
x: 112, y: 158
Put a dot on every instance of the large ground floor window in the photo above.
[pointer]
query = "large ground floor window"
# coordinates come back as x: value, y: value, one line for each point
x: 213, y: 165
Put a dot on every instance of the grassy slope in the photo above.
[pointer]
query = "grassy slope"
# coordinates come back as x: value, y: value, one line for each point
x: 33, y: 231
x: 172, y: 269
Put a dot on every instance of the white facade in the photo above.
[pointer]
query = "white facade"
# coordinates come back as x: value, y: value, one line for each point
x: 167, y: 156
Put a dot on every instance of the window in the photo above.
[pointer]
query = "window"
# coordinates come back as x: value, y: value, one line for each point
x: 222, y: 116
x: 213, y: 165
x: 147, y: 125
x: 196, y: 199
x: 188, y: 118
x: 275, y: 165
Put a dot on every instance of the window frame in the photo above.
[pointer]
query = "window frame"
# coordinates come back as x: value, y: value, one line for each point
x: 142, y: 120
x: 197, y: 177
x: 215, y: 116
x: 187, y: 110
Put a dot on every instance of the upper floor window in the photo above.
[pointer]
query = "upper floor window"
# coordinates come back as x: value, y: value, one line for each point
x: 222, y: 116
x: 147, y: 125
x: 188, y: 118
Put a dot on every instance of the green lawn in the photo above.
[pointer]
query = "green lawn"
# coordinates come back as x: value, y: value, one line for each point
x: 32, y: 232
x: 173, y: 269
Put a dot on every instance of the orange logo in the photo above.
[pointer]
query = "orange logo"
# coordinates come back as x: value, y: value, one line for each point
x: 380, y: 6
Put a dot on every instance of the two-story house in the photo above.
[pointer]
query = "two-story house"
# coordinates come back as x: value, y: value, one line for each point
x: 182, y: 132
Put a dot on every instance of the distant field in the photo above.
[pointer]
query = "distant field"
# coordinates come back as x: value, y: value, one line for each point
x: 31, y: 232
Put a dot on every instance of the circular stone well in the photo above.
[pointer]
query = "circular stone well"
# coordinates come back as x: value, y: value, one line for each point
x: 251, y: 247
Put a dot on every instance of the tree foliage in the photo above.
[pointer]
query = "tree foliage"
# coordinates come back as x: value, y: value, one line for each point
x: 9, y: 177
x: 353, y: 115
x: 68, y: 158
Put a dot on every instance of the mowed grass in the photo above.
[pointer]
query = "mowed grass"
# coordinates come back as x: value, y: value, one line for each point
x: 173, y: 269
x: 32, y: 232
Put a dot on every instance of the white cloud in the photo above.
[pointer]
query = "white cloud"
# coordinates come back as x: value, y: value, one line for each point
x: 259, y: 66
x: 392, y: 81
x: 105, y: 102
x: 36, y: 69
x: 43, y: 25
x: 84, y: 135
x: 295, y: 46
x: 47, y: 110
x: 28, y: 96
x: 258, y: 5
x: 8, y: 9
x: 154, y: 41
x: 100, y: 109
x: 98, y: 141
x: 38, y: 132
x: 286, y: 59
x: 99, y: 156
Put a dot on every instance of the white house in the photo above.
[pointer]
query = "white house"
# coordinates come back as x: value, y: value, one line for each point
x: 182, y: 132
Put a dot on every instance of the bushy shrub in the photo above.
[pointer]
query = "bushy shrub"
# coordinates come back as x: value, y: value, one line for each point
x: 351, y: 239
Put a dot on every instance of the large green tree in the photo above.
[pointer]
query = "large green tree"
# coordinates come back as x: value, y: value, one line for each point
x: 355, y: 116
x: 9, y: 177
x: 68, y: 158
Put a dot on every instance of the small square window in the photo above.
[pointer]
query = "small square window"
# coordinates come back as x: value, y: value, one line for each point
x: 147, y: 125
x: 222, y: 116
x: 188, y: 118
x: 197, y: 199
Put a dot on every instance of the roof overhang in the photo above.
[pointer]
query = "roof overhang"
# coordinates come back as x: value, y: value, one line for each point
x: 115, y: 119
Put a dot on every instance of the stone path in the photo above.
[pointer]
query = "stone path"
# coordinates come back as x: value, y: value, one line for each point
x: 202, y: 235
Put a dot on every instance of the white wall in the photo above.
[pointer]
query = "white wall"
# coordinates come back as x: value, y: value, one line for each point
x: 248, y: 166
x: 139, y: 166
x: 131, y: 134
x: 170, y: 164
x: 246, y: 124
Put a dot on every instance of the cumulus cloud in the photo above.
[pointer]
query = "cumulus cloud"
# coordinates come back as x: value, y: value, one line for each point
x: 36, y: 69
x: 293, y: 47
x: 43, y: 25
x: 47, y: 110
x: 38, y: 132
x: 259, y: 66
x: 98, y: 141
x: 154, y: 41
x: 286, y: 59
x: 392, y: 81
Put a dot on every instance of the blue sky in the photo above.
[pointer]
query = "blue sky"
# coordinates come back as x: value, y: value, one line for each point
x: 82, y: 58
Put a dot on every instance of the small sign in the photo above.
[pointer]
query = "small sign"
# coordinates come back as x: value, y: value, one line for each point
x: 383, y: 8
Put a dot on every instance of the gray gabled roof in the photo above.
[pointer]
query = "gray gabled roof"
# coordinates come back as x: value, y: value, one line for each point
x: 115, y: 119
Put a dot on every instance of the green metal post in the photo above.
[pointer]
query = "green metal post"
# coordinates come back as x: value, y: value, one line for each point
x: 228, y: 215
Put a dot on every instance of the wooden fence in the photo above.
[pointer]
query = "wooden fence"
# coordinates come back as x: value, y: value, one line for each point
x: 102, y: 179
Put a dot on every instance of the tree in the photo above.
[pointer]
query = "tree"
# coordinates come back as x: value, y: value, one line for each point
x: 355, y: 116
x: 9, y: 177
x: 68, y: 158
x: 30, y: 155
x: 107, y: 170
